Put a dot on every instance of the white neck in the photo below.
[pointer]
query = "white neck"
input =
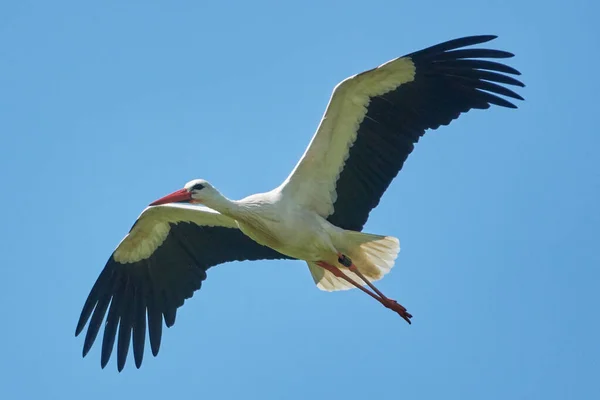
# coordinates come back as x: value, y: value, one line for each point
x: 222, y: 204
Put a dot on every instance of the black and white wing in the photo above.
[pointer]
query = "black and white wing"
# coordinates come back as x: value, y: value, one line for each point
x: 374, y: 119
x: 156, y: 267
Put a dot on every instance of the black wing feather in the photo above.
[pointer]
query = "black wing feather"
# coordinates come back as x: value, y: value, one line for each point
x: 139, y: 325
x: 448, y: 81
x: 157, y: 286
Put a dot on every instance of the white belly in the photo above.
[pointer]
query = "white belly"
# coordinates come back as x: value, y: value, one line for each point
x: 302, y: 235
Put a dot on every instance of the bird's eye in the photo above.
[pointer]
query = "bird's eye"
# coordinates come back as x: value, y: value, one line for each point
x: 198, y: 186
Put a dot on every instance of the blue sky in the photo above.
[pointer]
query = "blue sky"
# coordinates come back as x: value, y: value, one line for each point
x: 104, y: 108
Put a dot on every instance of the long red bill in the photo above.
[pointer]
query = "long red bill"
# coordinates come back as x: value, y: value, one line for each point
x: 179, y: 195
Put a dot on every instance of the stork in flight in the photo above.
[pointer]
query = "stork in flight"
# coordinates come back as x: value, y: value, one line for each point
x: 369, y: 128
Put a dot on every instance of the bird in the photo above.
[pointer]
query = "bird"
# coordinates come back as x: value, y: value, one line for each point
x: 370, y: 126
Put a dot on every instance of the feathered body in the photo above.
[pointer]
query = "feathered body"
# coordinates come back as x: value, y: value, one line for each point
x: 275, y: 220
x: 370, y: 126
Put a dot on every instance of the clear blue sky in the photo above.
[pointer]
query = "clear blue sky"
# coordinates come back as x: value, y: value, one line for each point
x: 104, y: 108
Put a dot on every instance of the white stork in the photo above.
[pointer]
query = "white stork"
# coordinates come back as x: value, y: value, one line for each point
x: 369, y: 128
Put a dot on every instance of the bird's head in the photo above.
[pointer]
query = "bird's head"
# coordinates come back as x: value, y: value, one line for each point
x: 196, y: 192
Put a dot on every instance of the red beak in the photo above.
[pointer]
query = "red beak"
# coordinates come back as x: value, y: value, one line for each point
x: 178, y: 196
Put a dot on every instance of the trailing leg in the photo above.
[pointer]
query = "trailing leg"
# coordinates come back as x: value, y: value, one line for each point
x: 387, y: 302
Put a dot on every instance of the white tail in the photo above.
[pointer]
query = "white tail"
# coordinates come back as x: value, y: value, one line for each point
x: 373, y: 255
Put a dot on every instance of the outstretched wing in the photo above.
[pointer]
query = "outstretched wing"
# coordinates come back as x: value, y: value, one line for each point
x: 374, y: 119
x: 156, y: 267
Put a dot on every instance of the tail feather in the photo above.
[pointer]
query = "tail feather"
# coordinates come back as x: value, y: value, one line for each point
x: 328, y: 282
x: 373, y: 255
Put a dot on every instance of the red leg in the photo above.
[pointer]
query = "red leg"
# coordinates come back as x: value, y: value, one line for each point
x: 389, y: 303
x: 337, y: 272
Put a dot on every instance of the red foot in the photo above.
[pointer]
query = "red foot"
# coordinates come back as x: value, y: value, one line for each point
x: 395, y: 306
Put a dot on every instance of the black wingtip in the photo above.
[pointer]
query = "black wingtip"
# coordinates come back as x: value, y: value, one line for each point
x: 170, y: 315
x: 155, y: 289
x: 455, y: 44
x: 139, y: 330
x: 154, y: 325
x: 503, y: 54
x: 478, y: 82
x: 81, y: 323
x: 155, y: 348
x: 467, y: 41
x: 90, y: 337
x: 125, y: 328
x: 83, y: 318
x: 483, y: 38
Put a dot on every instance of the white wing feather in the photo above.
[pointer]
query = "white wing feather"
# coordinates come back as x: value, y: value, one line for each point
x: 153, y: 227
x: 312, y: 182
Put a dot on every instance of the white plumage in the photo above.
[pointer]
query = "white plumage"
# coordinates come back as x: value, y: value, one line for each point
x: 368, y: 130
